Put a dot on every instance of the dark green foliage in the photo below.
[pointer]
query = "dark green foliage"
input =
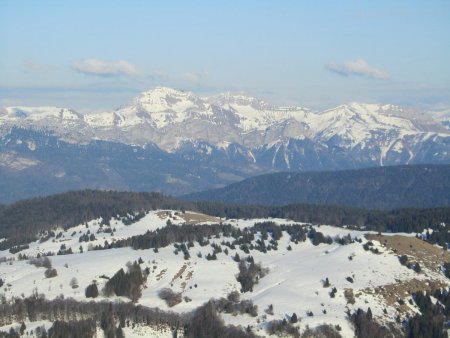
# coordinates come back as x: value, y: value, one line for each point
x: 439, y: 236
x: 318, y: 237
x: 333, y: 292
x: 398, y: 220
x: 379, y: 188
x: 417, y: 268
x: 22, y: 329
x: 170, y: 297
x: 206, y: 323
x: 50, y: 273
x: 41, y: 262
x: 249, y: 275
x: 103, y: 314
x: 294, y: 318
x: 403, y: 259
x: 233, y: 305
x: 365, y: 326
x: 80, y: 329
x: 322, y: 331
x: 126, y: 284
x: 430, y: 323
x: 446, y: 267
x: 20, y: 222
x: 91, y: 291
x: 282, y: 328
x: 18, y: 248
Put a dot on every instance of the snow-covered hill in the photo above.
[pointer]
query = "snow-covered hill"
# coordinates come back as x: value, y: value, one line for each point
x: 320, y: 282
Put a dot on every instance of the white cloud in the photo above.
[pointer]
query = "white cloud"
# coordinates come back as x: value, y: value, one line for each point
x: 357, y: 67
x: 104, y: 68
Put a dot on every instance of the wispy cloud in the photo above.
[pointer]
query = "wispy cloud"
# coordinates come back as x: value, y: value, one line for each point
x: 103, y: 68
x: 195, y: 77
x: 36, y: 66
x: 357, y: 67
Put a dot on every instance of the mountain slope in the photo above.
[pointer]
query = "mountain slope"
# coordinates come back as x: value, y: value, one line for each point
x: 256, y: 272
x: 166, y: 117
x: 382, y: 188
x: 178, y: 142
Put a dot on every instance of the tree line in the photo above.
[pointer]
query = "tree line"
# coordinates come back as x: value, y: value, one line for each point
x: 22, y: 221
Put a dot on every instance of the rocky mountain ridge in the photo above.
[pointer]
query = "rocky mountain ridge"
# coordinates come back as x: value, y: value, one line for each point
x: 168, y: 117
x: 177, y: 142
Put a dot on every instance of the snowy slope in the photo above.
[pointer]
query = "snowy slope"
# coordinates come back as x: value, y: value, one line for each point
x: 294, y: 283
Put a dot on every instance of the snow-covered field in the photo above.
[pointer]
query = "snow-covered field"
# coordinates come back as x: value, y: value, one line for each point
x: 294, y: 283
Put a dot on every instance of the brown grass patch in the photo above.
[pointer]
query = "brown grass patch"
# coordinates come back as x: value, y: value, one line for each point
x: 193, y: 218
x: 161, y: 274
x: 393, y: 292
x: 418, y: 250
x: 188, y: 217
x: 179, y: 273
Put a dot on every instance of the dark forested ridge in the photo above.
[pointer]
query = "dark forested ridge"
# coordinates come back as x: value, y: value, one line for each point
x: 20, y: 222
x: 419, y: 186
x: 26, y: 218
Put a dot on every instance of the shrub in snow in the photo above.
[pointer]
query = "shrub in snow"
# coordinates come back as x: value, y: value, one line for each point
x: 170, y: 297
x: 73, y: 283
x: 50, y: 273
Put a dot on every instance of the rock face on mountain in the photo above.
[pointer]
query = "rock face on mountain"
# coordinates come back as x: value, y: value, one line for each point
x: 229, y: 136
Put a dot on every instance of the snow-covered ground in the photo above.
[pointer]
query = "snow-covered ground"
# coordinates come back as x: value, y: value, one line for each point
x: 294, y: 283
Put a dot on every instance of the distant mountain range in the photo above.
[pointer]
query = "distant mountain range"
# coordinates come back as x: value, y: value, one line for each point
x: 420, y: 186
x: 177, y: 142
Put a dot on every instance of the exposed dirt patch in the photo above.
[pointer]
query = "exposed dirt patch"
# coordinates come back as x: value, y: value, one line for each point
x: 179, y: 273
x: 420, y: 251
x: 161, y: 274
x: 394, y: 294
x: 189, y: 275
x: 163, y: 214
x: 188, y: 217
x: 193, y: 217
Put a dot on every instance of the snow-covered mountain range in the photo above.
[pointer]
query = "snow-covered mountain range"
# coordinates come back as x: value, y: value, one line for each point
x: 231, y: 135
x: 168, y: 117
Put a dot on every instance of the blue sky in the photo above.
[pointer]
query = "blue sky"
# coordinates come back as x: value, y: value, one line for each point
x: 95, y: 55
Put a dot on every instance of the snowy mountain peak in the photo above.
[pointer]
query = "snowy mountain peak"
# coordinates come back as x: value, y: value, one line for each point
x: 164, y: 98
x: 39, y: 113
x: 240, y: 99
x: 167, y: 117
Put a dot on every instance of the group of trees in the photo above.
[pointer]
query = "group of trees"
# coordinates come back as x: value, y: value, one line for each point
x: 366, y: 326
x: 46, y: 263
x: 127, y: 284
x: 232, y: 304
x: 433, y: 317
x: 431, y: 321
x: 37, y: 308
x: 249, y: 274
x: 20, y: 222
x: 206, y: 323
x: 75, y: 319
